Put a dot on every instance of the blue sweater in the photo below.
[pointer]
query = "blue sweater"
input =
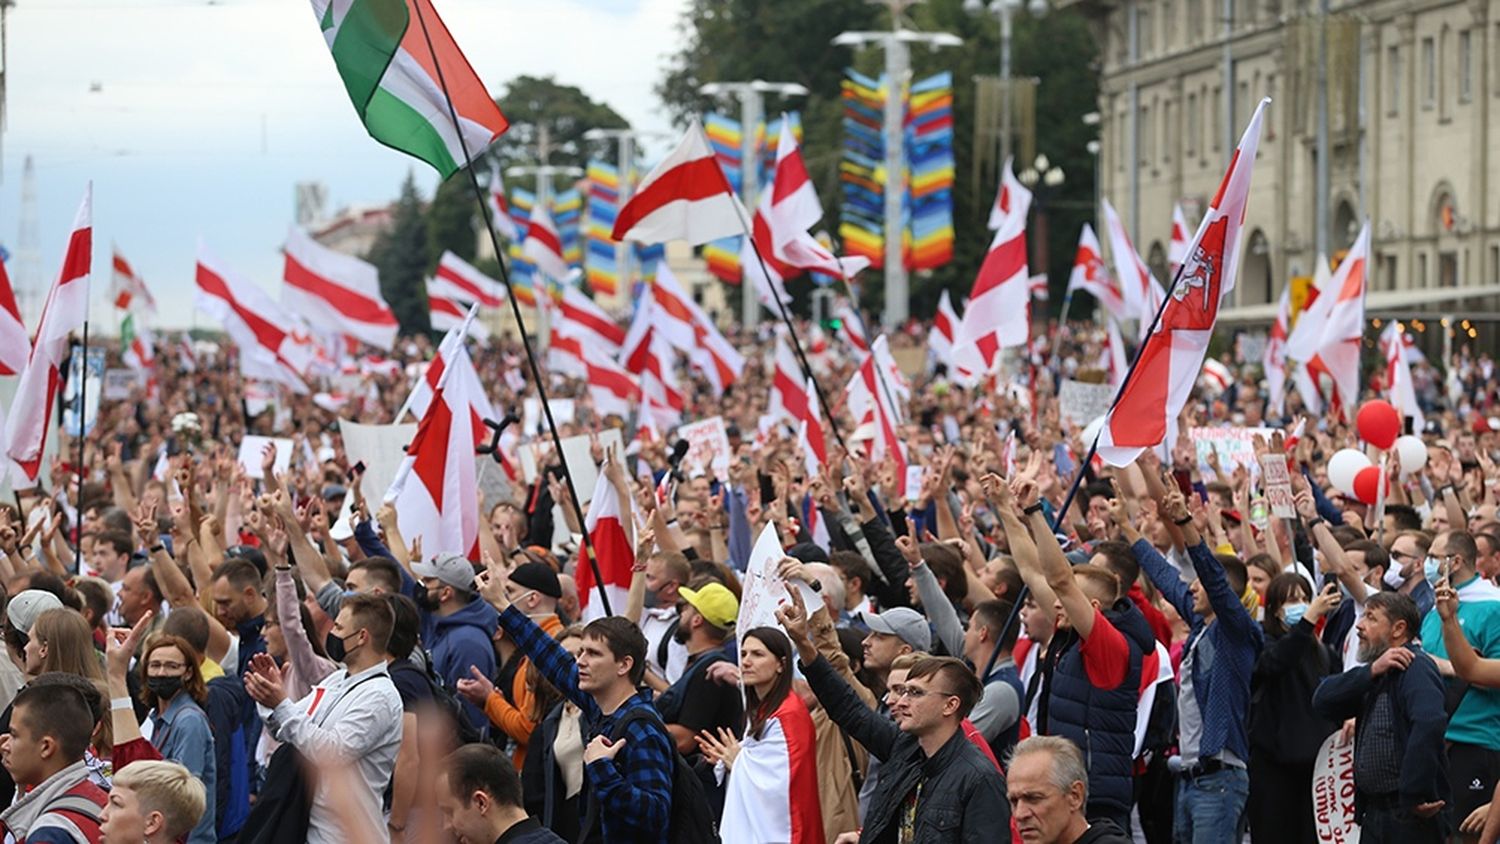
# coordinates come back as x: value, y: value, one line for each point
x: 1223, y: 693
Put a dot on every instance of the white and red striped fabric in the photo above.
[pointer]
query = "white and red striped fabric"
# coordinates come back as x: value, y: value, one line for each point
x: 646, y: 354
x: 447, y: 313
x: 1302, y: 340
x: 256, y: 324
x: 336, y: 291
x: 944, y: 326
x: 795, y: 209
x: 766, y: 274
x: 377, y: 365
x: 851, y: 327
x: 787, y: 395
x: 499, y: 208
x: 687, y: 328
x: 187, y: 359
x: 685, y: 197
x: 1143, y: 294
x: 1012, y: 194
x: 422, y: 392
x: 65, y: 311
x: 587, y: 321
x: 565, y: 353
x: 140, y: 355
x: 773, y: 795
x: 1181, y: 234
x: 436, y: 489
x: 1340, y: 315
x: 1037, y: 285
x: 998, y: 314
x: 15, y: 343
x: 605, y: 523
x: 126, y: 288
x: 1398, y: 376
x: 1167, y: 365
x: 459, y: 280
x: 872, y: 401
x: 543, y: 245
x: 613, y: 390
x: 1274, y: 361
x: 1092, y: 277
x: 1117, y: 365
x: 810, y: 436
x: 1216, y: 376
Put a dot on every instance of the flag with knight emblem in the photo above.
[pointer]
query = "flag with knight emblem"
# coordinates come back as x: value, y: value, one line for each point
x: 1146, y: 409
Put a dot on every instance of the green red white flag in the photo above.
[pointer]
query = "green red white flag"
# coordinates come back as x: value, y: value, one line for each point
x: 396, y: 58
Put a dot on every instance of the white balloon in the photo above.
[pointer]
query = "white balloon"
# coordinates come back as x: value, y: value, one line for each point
x: 1343, y: 466
x: 1411, y: 454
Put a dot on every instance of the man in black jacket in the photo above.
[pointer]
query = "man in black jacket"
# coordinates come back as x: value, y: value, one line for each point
x: 1400, y: 770
x: 935, y: 785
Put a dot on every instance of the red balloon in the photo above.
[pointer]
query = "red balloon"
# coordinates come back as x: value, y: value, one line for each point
x: 1379, y: 424
x: 1368, y: 483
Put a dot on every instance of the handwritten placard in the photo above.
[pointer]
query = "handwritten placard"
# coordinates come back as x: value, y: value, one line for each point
x: 1333, y: 792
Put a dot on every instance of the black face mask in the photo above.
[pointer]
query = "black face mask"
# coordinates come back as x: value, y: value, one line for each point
x: 334, y: 645
x: 427, y: 601
x: 165, y: 688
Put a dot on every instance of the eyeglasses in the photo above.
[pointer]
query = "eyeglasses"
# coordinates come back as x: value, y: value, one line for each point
x: 1402, y: 555
x: 915, y: 692
x: 165, y: 666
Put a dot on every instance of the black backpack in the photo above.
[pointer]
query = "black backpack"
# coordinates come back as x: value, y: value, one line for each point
x: 690, y: 820
x: 447, y: 701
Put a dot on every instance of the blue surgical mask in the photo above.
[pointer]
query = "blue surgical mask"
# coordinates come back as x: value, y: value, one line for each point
x: 1432, y: 569
x: 1293, y: 613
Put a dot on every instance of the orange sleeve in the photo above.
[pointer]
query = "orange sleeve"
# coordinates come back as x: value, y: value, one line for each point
x: 512, y: 720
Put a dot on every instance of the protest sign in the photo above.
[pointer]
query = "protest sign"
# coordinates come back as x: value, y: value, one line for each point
x: 763, y: 589
x: 1080, y: 403
x: 580, y: 459
x: 118, y: 383
x: 1333, y: 792
x: 532, y: 421
x: 1277, y: 482
x: 708, y: 447
x: 914, y: 483
x: 381, y: 448
x: 1235, y: 446
x: 252, y: 446
x: 87, y: 370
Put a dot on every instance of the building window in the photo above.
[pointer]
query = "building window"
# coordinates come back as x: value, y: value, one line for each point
x: 1393, y: 73
x: 1421, y: 279
x: 1148, y: 137
x: 1241, y: 107
x: 1194, y: 128
x: 1495, y: 265
x: 1168, y: 25
x: 1429, y: 73
x: 1195, y: 20
x: 1389, y: 282
x: 1144, y: 32
x: 1168, y: 135
x: 1465, y: 66
x: 1218, y: 118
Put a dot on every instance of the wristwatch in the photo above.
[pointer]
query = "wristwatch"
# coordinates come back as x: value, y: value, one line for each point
x: 1033, y: 509
x: 1183, y: 522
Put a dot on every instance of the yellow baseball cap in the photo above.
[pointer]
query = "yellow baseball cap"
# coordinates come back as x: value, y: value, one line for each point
x: 714, y: 602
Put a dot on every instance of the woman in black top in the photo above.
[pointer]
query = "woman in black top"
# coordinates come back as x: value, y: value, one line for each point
x: 1285, y: 733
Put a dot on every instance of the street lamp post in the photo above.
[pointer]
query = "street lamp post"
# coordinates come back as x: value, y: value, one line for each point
x: 897, y: 66
x: 1041, y: 176
x: 1004, y: 9
x: 752, y: 109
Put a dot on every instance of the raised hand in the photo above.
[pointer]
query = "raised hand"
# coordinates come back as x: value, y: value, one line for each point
x: 721, y: 748
x: 119, y: 645
x: 476, y: 688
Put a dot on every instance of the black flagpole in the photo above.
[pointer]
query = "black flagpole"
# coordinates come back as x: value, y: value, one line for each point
x: 536, y: 373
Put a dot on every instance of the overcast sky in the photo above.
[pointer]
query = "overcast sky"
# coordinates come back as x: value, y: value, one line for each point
x: 206, y: 115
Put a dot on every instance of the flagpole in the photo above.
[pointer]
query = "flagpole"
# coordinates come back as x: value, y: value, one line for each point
x: 536, y: 372
x: 83, y: 386
x: 786, y: 320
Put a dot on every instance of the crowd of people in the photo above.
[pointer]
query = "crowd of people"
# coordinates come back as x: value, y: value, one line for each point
x: 199, y: 655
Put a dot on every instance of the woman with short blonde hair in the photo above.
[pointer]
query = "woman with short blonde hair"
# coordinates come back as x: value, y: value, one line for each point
x: 151, y: 802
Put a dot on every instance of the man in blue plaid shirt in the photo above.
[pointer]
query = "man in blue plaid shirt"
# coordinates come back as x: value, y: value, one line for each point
x: 628, y: 797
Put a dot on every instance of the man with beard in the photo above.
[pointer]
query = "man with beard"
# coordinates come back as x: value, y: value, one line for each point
x: 1400, y: 770
x: 695, y: 702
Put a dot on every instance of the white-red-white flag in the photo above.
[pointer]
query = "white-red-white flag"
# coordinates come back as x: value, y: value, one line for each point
x: 65, y: 311
x: 445, y: 312
x: 765, y: 273
x: 436, y: 489
x: 140, y: 352
x: 646, y: 354
x: 851, y: 327
x: 1274, y: 361
x: 944, y: 326
x: 810, y: 436
x: 1398, y: 381
x: 1012, y: 195
x: 606, y: 520
x: 127, y: 289
x: 1115, y: 353
x: 335, y: 291
x: 499, y: 208
x: 1341, y: 325
x: 1092, y: 277
x: 589, y: 322
x: 787, y: 377
x: 1142, y: 292
x: 613, y: 390
x: 15, y: 343
x: 422, y: 392
x: 685, y: 326
x: 1177, y: 250
x: 458, y: 279
x: 565, y: 353
x: 1167, y: 365
x: 685, y: 197
x: 1037, y: 285
x: 543, y: 245
x: 256, y: 324
x: 872, y: 401
x: 998, y: 314
x: 795, y: 209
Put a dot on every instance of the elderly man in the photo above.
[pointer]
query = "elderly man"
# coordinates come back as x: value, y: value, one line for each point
x: 1048, y: 788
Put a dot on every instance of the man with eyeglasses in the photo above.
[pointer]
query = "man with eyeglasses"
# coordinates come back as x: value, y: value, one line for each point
x: 1408, y: 550
x: 935, y: 785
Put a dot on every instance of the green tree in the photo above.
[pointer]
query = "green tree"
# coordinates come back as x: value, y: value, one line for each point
x: 453, y: 219
x: 401, y: 256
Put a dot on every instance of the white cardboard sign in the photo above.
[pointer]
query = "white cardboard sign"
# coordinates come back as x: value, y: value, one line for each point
x: 252, y: 446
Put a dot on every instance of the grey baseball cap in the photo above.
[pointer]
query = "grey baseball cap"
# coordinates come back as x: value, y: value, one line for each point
x: 452, y: 569
x: 907, y: 624
x: 24, y: 609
